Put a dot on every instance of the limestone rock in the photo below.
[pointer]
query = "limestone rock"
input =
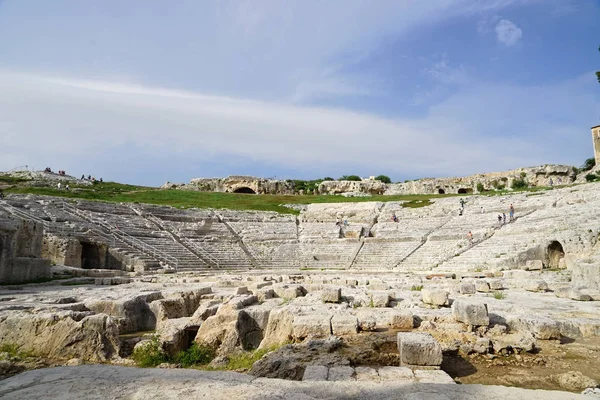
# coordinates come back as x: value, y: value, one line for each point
x: 436, y: 297
x: 311, y: 325
x: 467, y: 288
x: 343, y: 324
x: 513, y: 342
x: 534, y: 265
x: 541, y: 327
x: 340, y: 374
x: 331, y: 295
x: 574, y: 381
x: 401, y: 320
x: 315, y: 373
x: 470, y: 313
x: 396, y: 374
x: 536, y: 286
x: 482, y: 286
x: 417, y: 348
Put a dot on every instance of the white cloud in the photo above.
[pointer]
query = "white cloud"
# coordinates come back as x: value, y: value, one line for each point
x: 508, y: 33
x: 85, y: 122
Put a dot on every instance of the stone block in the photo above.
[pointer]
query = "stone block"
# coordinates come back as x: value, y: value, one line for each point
x: 482, y: 286
x: 436, y: 297
x: 315, y: 373
x: 470, y: 313
x: 344, y: 324
x: 311, y: 325
x: 516, y: 342
x: 367, y: 323
x: 289, y: 291
x: 380, y: 299
x: 341, y: 374
x: 401, y: 320
x: 467, y: 288
x: 419, y: 348
x: 366, y: 374
x: 240, y: 290
x: 496, y: 284
x: 433, y: 376
x: 331, y: 295
x: 541, y: 327
x: 579, y: 296
x: 534, y: 265
x: 536, y: 286
x: 265, y: 294
x: 396, y: 374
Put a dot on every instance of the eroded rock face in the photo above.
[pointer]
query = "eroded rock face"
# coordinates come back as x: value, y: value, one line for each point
x: 236, y: 184
x: 470, y: 313
x: 62, y: 335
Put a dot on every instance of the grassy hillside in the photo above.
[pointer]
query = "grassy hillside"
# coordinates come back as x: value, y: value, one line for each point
x: 116, y: 192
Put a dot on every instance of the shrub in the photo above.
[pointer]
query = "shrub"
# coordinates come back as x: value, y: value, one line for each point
x: 197, y: 354
x: 383, y: 178
x: 504, y: 179
x: 501, y: 187
x: 480, y: 187
x: 350, y: 178
x: 519, y: 184
x: 328, y: 178
x: 498, y: 295
x: 416, y: 288
x: 523, y: 175
x: 149, y: 355
x: 591, y: 177
x: 588, y: 164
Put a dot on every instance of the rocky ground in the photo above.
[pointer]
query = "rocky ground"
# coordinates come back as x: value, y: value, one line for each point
x: 111, y: 382
x: 348, y: 327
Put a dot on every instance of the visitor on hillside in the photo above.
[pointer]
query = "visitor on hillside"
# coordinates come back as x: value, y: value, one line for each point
x: 482, y: 210
x: 345, y: 222
x: 551, y: 182
x: 89, y: 177
x: 470, y: 237
x: 337, y: 221
x: 67, y: 187
x: 101, y: 180
x: 394, y: 218
x: 83, y: 177
x: 462, y: 203
x: 500, y: 218
x: 59, y: 185
x: 504, y: 217
x: 511, y: 212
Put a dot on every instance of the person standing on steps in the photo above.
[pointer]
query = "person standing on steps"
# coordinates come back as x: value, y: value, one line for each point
x: 470, y: 237
x: 511, y: 212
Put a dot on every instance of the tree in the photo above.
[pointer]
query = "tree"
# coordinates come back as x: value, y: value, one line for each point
x: 588, y: 164
x: 383, y: 178
x: 328, y: 178
x: 350, y: 178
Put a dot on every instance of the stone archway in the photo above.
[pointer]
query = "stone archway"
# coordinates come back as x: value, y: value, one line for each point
x: 465, y: 191
x: 554, y: 253
x: 244, y: 190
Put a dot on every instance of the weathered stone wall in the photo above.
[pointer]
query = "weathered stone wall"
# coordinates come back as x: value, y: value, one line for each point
x: 534, y: 176
x: 62, y: 251
x: 20, y: 249
x: 544, y: 175
x: 236, y: 184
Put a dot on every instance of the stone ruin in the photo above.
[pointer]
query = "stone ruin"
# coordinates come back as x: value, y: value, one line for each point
x: 21, y: 251
x: 236, y: 184
x: 366, y: 301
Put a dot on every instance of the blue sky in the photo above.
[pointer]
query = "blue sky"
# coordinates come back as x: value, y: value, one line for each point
x: 149, y: 91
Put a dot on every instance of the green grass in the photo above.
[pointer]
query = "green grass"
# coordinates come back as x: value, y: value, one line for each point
x: 14, y: 351
x: 245, y: 360
x: 416, y: 288
x: 196, y: 355
x: 116, y: 192
x: 149, y: 355
x: 12, y: 180
x: 498, y: 295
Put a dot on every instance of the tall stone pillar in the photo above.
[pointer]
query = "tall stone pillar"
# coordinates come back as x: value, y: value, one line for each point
x: 596, y: 140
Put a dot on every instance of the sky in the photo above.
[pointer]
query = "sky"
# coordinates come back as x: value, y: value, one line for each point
x: 148, y: 91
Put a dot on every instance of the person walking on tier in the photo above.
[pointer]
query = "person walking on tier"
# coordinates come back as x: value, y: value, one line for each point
x: 470, y: 237
x: 511, y: 213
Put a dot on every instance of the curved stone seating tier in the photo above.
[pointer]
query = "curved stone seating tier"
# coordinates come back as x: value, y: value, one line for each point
x: 427, y: 238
